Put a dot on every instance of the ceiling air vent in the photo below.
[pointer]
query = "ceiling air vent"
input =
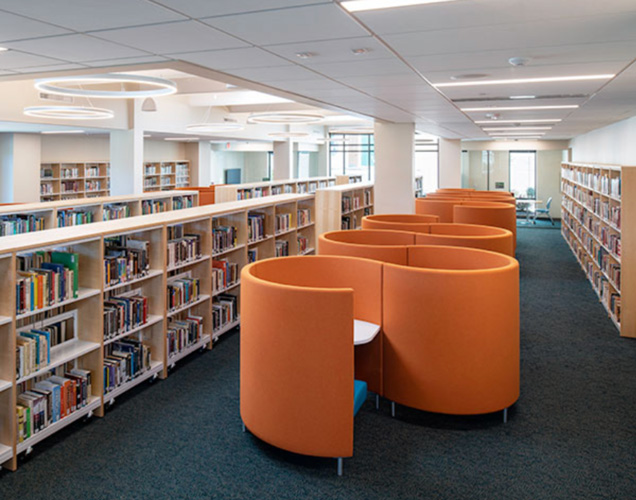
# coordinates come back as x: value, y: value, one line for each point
x: 54, y: 97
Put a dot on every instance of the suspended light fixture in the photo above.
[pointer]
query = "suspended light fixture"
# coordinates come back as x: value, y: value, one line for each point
x: 285, y: 118
x: 69, y: 112
x: 224, y: 126
x: 59, y: 85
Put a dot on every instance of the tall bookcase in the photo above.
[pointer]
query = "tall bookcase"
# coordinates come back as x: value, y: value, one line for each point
x: 31, y: 217
x: 599, y: 225
x: 166, y: 175
x: 343, y: 206
x: 152, y: 289
x: 69, y: 181
x: 234, y: 192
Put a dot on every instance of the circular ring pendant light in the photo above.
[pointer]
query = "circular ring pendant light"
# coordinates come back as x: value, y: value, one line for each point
x: 285, y: 118
x: 69, y: 112
x: 59, y: 85
x: 288, y: 135
x: 215, y: 127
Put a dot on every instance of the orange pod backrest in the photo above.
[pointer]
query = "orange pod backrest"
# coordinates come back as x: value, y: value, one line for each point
x: 442, y: 208
x: 488, y: 214
x: 399, y: 222
x: 385, y: 246
x: 490, y: 238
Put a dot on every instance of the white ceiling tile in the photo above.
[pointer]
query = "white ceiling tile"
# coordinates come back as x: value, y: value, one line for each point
x: 51, y: 67
x: 274, y: 73
x: 332, y: 51
x: 87, y: 15
x: 251, y: 57
x: 172, y: 38
x: 15, y: 59
x: 126, y: 61
x: 75, y: 48
x: 391, y: 66
x: 14, y: 27
x: 300, y: 24
x: 378, y: 81
x: 207, y: 8
x: 310, y: 86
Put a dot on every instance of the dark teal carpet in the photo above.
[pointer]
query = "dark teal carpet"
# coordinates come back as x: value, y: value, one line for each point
x: 572, y: 434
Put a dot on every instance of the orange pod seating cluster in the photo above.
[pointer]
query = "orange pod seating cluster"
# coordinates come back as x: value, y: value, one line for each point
x: 491, y: 238
x: 400, y: 222
x: 449, y: 339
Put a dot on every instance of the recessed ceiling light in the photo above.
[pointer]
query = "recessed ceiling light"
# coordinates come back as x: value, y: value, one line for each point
x: 183, y: 139
x: 361, y: 5
x: 69, y: 112
x: 522, y: 108
x: 517, y: 128
x: 3, y: 49
x: 523, y: 97
x: 288, y: 135
x: 146, y: 136
x: 215, y: 127
x: 151, y: 86
x: 469, y: 76
x: 516, y: 133
x: 359, y: 52
x: 305, y: 55
x: 526, y: 80
x: 284, y: 118
x: 519, y: 61
x: 55, y: 132
x: 536, y: 120
x: 517, y: 138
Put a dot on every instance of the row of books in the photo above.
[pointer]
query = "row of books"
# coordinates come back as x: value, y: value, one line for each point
x: 304, y: 217
x: 255, y: 226
x: 94, y: 185
x: 124, y: 313
x: 599, y: 182
x: 181, y: 202
x: 282, y: 248
x: 183, y: 333
x: 69, y: 172
x: 183, y: 249
x: 350, y: 203
x: 224, y: 274
x: 248, y: 194
x: 19, y: 224
x: 349, y: 222
x: 303, y: 244
x: 182, y: 291
x: 45, y: 279
x: 71, y: 186
x: 252, y: 255
x: 33, y: 345
x: 67, y: 218
x: 124, y: 361
x: 153, y: 206
x: 283, y: 222
x: 367, y: 197
x: 93, y: 172
x: 114, y: 212
x: 47, y: 188
x: 50, y: 400
x: 125, y: 259
x: 224, y: 311
x: 224, y: 238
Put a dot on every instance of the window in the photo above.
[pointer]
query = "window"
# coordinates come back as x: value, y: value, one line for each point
x: 352, y: 154
x: 304, y: 160
x: 427, y: 163
x: 270, y: 165
x: 523, y: 174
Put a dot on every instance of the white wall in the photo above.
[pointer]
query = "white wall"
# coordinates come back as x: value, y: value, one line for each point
x: 614, y: 144
x: 6, y: 168
x: 450, y: 152
x: 75, y: 148
x: 155, y: 150
x: 20, y: 168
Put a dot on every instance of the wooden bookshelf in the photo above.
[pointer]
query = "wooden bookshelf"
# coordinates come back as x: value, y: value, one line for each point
x: 235, y: 192
x: 348, y: 179
x: 598, y: 225
x: 419, y: 186
x: 343, y: 206
x: 70, y: 181
x: 144, y: 258
x: 166, y: 175
x: 31, y: 217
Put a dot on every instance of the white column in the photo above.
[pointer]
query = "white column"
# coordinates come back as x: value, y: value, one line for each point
x: 283, y: 160
x: 200, y: 156
x: 126, y: 162
x: 20, y: 156
x: 450, y: 163
x: 323, y: 160
x: 394, y: 168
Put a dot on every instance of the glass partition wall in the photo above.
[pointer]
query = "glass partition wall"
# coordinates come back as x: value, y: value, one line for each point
x: 514, y: 171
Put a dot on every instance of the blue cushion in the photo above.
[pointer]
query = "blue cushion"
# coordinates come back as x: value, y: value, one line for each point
x: 359, y: 395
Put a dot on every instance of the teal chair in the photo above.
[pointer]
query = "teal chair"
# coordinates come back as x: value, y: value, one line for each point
x: 543, y: 211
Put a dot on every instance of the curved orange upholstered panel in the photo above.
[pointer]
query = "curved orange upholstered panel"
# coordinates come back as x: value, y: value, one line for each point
x: 297, y: 352
x: 462, y: 198
x: 382, y: 245
x: 442, y: 208
x: 399, y: 222
x: 460, y: 353
x: 488, y: 214
x: 495, y: 239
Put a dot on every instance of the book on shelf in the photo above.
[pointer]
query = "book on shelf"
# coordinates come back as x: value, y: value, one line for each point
x: 303, y: 244
x: 124, y: 312
x: 224, y: 238
x: 181, y: 202
x: 125, y: 259
x: 304, y: 217
x: 45, y: 278
x: 116, y: 211
x: 255, y: 226
x: 124, y: 361
x: 182, y: 289
x: 224, y: 274
x: 283, y: 222
x: 182, y: 247
x: 153, y: 206
x: 66, y: 218
x: 224, y: 311
x: 182, y: 333
x: 19, y: 224
x: 282, y: 248
x: 252, y: 255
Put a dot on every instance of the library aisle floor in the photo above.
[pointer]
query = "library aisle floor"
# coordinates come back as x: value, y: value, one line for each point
x: 571, y: 434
